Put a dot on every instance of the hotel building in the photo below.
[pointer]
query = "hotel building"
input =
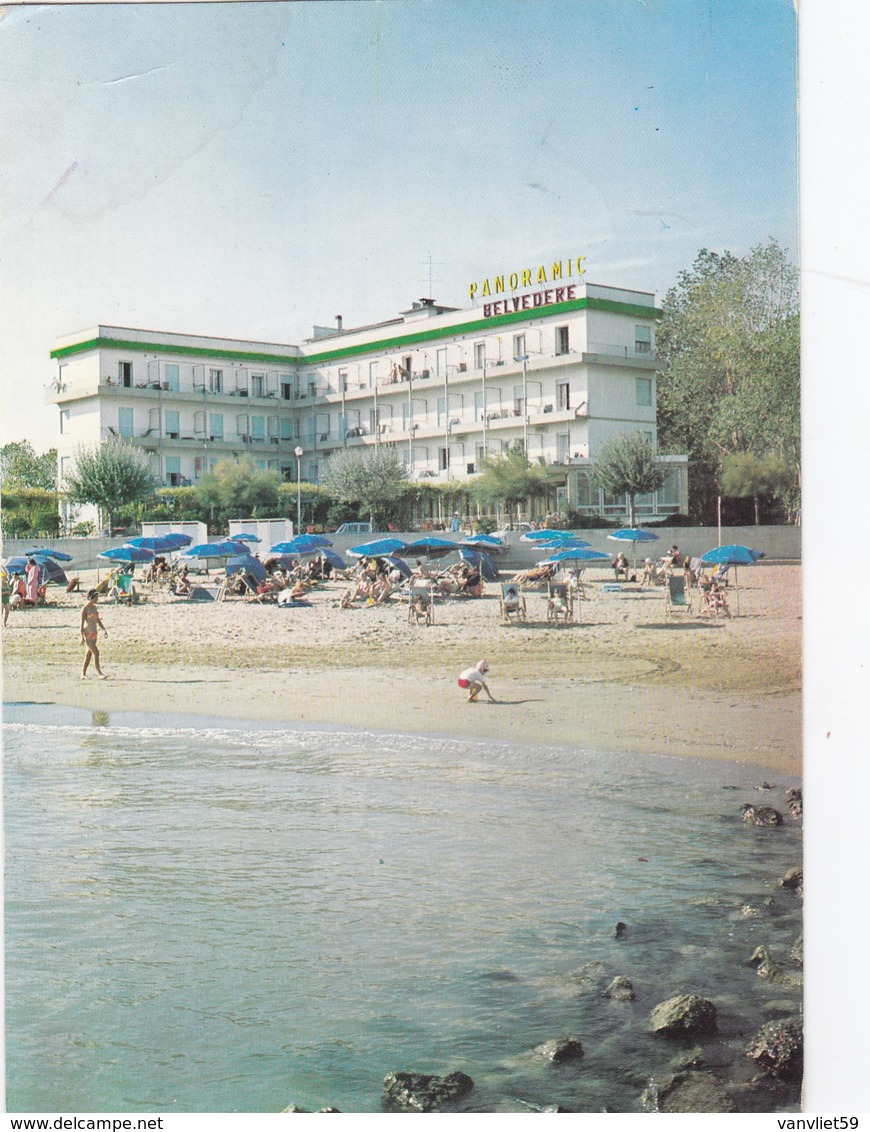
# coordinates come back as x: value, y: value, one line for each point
x: 560, y: 369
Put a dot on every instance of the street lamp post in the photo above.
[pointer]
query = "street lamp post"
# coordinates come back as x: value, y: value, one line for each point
x: 524, y: 358
x: 298, y: 452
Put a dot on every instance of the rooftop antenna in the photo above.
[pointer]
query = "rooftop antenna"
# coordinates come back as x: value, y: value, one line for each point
x: 428, y: 263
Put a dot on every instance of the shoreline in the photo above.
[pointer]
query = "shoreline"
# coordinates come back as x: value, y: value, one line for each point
x: 625, y: 680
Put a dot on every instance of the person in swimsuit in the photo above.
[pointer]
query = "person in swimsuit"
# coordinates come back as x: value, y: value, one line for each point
x: 472, y: 681
x: 91, y: 623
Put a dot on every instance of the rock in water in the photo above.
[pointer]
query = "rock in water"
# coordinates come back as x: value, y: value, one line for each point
x: 692, y: 1092
x: 423, y: 1092
x: 683, y: 1016
x: 779, y: 1048
x: 620, y: 989
x: 793, y: 879
x: 794, y: 800
x: 560, y: 1049
x: 760, y: 815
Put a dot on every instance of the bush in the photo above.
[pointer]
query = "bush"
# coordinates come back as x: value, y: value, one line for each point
x: 583, y: 521
x: 677, y: 520
x: 86, y: 529
x: 484, y: 525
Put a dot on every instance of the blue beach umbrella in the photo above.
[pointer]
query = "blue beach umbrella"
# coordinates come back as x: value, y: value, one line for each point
x: 430, y: 547
x: 733, y: 555
x: 49, y: 570
x: 225, y: 549
x: 333, y: 559
x: 379, y: 548
x: 399, y: 564
x: 177, y: 539
x: 244, y: 536
x: 127, y: 554
x: 156, y: 543
x: 634, y: 535
x: 575, y: 554
x: 482, y: 561
x: 301, y: 545
x: 537, y: 536
x: 566, y: 543
x: 491, y: 544
x: 246, y: 564
x: 45, y: 552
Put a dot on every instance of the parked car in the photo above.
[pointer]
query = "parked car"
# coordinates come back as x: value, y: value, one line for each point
x: 517, y: 528
x: 355, y: 529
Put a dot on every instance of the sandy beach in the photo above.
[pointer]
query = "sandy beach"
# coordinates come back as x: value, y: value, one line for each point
x: 626, y: 678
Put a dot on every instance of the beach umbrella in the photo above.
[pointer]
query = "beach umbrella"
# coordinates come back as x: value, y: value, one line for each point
x: 491, y: 544
x: 566, y: 543
x: 380, y: 548
x: 301, y: 545
x: 399, y: 564
x: 178, y: 539
x: 482, y: 561
x: 127, y: 554
x: 246, y: 564
x: 45, y: 552
x: 575, y: 554
x: 156, y: 543
x: 224, y: 549
x: 536, y: 536
x: 244, y: 536
x: 49, y: 570
x: 634, y: 535
x: 333, y: 559
x: 733, y: 555
x: 430, y: 547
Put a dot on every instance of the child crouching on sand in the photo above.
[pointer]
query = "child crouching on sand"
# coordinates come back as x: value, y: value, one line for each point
x: 472, y: 679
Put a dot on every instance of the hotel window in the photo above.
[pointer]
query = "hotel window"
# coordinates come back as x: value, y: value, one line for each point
x: 519, y: 400
x: 199, y: 422
x: 64, y: 420
x: 170, y: 376
x: 478, y: 405
x: 286, y: 428
x: 258, y: 384
x: 561, y: 339
x: 125, y: 374
x: 173, y: 470
x: 642, y: 340
x: 125, y: 422
x: 242, y: 426
x: 216, y: 380
x: 519, y: 345
x: 198, y: 463
x: 479, y: 455
x: 171, y: 424
x: 258, y: 428
x: 216, y: 426
x: 441, y: 362
x: 643, y: 391
x: 342, y: 380
x: 563, y: 446
x: 373, y: 374
x: 479, y: 355
x: 272, y: 428
x: 408, y: 365
x: 442, y: 459
x: 563, y: 395
x: 313, y: 471
x: 286, y: 388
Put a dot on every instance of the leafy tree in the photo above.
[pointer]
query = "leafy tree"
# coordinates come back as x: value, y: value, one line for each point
x: 747, y: 476
x: 627, y: 465
x: 21, y: 467
x: 729, y: 342
x: 511, y: 479
x: 238, y: 489
x: 372, y: 478
x: 109, y: 476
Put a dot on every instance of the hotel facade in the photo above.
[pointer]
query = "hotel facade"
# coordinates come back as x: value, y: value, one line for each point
x: 559, y: 368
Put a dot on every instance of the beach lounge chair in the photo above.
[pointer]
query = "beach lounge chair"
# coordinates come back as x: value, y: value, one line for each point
x: 713, y: 600
x: 560, y: 603
x: 677, y: 597
x: 720, y: 574
x: 512, y: 603
x: 421, y: 603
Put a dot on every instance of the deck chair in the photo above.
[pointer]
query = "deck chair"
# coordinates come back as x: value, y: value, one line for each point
x: 713, y: 601
x: 720, y: 574
x: 421, y: 603
x: 512, y: 603
x: 695, y: 569
x: 678, y: 599
x: 560, y: 603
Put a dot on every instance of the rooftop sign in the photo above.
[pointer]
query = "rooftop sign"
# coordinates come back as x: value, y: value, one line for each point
x: 515, y: 280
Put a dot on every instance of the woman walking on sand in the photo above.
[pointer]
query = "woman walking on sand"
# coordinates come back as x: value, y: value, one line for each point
x: 91, y: 623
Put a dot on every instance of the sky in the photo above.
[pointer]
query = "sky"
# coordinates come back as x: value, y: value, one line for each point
x: 250, y: 170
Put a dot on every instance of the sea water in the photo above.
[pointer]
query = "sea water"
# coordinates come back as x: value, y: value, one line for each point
x: 206, y: 916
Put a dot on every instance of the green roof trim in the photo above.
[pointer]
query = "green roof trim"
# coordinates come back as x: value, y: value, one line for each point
x: 401, y: 341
